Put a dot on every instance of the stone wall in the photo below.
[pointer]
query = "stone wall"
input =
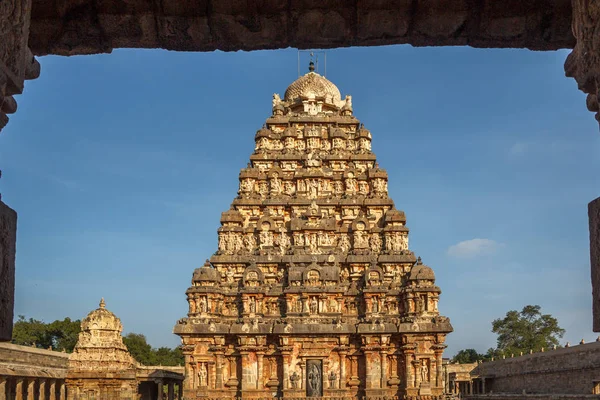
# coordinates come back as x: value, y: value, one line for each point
x: 8, y: 239
x: 573, y: 370
x: 594, y: 217
x: 532, y: 397
x: 26, y: 361
x: 85, y: 26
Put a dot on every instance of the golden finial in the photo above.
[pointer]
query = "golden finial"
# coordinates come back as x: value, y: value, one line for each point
x: 102, y: 303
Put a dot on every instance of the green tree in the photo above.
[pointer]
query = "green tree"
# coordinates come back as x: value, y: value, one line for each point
x: 467, y: 356
x: 144, y: 353
x: 31, y: 332
x: 139, y: 348
x: 526, y: 330
x: 60, y: 334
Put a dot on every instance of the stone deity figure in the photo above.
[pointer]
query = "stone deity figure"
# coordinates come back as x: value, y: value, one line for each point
x: 351, y: 185
x: 275, y: 185
x: 375, y: 243
x: 266, y: 239
x: 203, y: 374
x: 332, y: 380
x: 314, y: 305
x: 263, y: 188
x: 314, y: 381
x: 344, y: 243
x: 284, y: 241
x: 361, y: 240
x: 289, y: 188
x: 288, y: 144
x: 313, y: 186
x: 229, y: 274
x: 252, y: 305
x: 250, y: 243
x: 338, y: 188
x: 295, y: 379
x: 424, y: 372
x: 203, y: 305
x: 363, y: 188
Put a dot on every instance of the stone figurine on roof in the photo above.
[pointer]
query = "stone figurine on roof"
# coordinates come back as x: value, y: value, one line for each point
x: 313, y: 272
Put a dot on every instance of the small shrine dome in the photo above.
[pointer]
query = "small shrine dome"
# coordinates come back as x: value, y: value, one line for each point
x: 421, y: 272
x: 101, y: 319
x: 206, y: 273
x: 312, y: 85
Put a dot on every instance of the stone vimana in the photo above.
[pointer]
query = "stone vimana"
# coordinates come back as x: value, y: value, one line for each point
x: 313, y: 291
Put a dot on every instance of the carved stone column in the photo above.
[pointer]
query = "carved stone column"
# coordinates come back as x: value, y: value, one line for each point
x: 342, y: 370
x: 30, y: 388
x: 219, y: 378
x: 19, y: 389
x: 583, y: 64
x: 159, y: 388
x: 42, y: 395
x: 384, y: 368
x: 171, y: 391
x: 63, y: 391
x: 8, y: 239
x: 286, y: 370
x: 16, y: 61
x: 3, y: 395
x: 53, y: 389
x: 259, y: 377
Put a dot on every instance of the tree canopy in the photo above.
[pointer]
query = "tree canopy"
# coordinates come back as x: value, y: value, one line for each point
x: 63, y: 334
x: 59, y: 335
x: 467, y: 356
x: 526, y: 330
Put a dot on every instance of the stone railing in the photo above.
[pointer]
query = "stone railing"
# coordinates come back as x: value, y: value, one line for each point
x: 570, y: 370
x: 32, y: 374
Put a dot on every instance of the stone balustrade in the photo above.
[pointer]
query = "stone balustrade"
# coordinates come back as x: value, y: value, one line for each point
x: 28, y: 373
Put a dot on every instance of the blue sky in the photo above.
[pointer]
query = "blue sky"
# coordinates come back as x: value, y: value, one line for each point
x: 120, y: 165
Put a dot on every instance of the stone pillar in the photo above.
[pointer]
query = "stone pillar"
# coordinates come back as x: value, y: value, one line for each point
x: 286, y: 370
x: 408, y: 366
x: 19, y: 389
x: 594, y: 218
x: 42, y: 395
x: 439, y: 379
x: 171, y: 391
x: 3, y: 395
x: 219, y: 377
x: 53, y: 389
x: 384, y: 368
x: 8, y: 239
x: 342, y: 370
x: 62, y: 391
x: 159, y: 387
x: 482, y: 385
x: 259, y: 374
x: 30, y: 388
x: 417, y: 366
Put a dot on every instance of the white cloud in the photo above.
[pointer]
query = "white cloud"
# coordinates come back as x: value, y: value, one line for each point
x: 518, y: 149
x: 473, y: 248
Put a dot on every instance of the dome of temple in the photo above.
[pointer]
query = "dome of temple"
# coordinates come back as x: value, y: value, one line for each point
x: 421, y: 272
x: 312, y: 85
x: 101, y: 319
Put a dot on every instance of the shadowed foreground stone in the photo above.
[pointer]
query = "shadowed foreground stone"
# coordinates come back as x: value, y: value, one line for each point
x: 85, y: 27
x: 594, y: 216
x: 8, y: 239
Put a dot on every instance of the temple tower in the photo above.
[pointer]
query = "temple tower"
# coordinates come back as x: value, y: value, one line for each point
x: 313, y: 291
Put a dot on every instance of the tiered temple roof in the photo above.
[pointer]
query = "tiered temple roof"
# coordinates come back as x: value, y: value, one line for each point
x: 313, y: 290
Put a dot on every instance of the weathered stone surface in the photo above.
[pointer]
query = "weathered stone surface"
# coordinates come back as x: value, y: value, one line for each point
x: 8, y: 241
x: 566, y: 371
x: 101, y: 366
x: 313, y: 291
x: 86, y: 26
x: 18, y: 360
x: 594, y: 218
